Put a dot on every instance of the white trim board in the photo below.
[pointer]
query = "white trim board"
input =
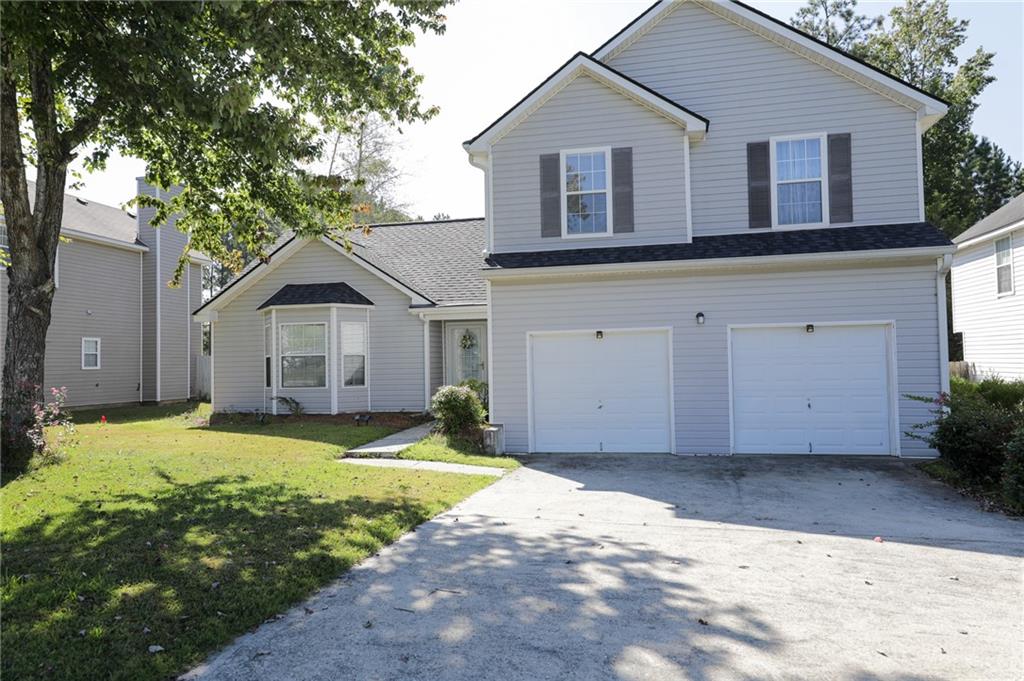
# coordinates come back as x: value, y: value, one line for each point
x: 583, y: 64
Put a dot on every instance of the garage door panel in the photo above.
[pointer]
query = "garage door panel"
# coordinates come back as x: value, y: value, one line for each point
x: 609, y: 394
x: 832, y: 395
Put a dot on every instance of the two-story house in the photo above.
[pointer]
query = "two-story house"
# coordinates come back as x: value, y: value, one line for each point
x: 118, y: 333
x: 987, y: 282
x: 706, y: 237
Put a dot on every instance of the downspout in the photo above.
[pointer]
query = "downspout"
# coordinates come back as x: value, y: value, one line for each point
x: 426, y: 361
x: 943, y: 265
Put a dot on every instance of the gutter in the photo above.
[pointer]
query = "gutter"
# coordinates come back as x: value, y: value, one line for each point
x: 704, y: 264
x: 75, y: 234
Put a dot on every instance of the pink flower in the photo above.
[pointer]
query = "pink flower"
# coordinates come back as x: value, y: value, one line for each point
x: 103, y: 419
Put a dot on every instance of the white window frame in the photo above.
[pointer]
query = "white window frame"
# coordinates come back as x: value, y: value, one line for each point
x: 342, y: 353
x: 995, y: 253
x: 325, y: 354
x: 772, y: 142
x: 98, y: 353
x: 607, y: 151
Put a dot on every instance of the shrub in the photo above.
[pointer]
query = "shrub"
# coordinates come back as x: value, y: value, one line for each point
x: 970, y: 433
x: 1009, y: 394
x: 51, y: 447
x: 459, y: 410
x: 479, y: 387
x: 1013, y: 471
x: 293, y: 406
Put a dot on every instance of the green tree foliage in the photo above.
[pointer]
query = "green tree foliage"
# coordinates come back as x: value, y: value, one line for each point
x: 966, y: 177
x: 837, y: 23
x: 228, y: 99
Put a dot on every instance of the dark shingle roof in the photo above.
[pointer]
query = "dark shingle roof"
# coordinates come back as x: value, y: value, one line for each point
x: 337, y: 292
x: 442, y: 260
x: 94, y: 218
x: 1010, y: 213
x: 754, y: 244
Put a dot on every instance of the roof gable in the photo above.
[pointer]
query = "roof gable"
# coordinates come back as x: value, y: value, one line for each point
x: 580, y: 63
x: 930, y: 108
x: 434, y: 263
x: 1011, y: 214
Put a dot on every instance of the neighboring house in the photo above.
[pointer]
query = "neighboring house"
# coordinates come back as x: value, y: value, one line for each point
x: 707, y: 237
x: 988, y: 292
x: 118, y: 333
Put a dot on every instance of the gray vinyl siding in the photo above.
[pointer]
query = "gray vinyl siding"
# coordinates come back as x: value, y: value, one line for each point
x: 992, y: 325
x: 586, y: 113
x: 171, y: 338
x: 436, y: 356
x: 395, y: 347
x: 195, y: 329
x: 700, y: 353
x: 752, y: 89
x: 97, y: 297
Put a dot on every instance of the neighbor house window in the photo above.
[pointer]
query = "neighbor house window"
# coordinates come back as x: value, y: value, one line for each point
x: 798, y: 181
x: 1004, y: 266
x: 268, y: 352
x: 585, y: 177
x: 303, y: 355
x: 90, y: 353
x: 353, y: 354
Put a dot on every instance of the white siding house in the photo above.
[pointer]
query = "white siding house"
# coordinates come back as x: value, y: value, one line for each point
x: 988, y: 292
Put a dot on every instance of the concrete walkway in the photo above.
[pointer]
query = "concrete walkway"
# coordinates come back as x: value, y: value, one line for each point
x: 389, y: 447
x: 428, y: 466
x: 650, y: 567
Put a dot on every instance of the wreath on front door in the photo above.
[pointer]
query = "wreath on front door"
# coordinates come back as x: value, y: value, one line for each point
x: 468, y: 341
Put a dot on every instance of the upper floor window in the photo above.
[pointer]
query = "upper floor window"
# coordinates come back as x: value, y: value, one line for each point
x: 303, y: 355
x: 1004, y: 266
x: 799, y: 181
x: 90, y: 353
x: 586, y: 206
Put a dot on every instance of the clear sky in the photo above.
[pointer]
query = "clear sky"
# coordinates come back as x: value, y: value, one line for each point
x: 495, y: 51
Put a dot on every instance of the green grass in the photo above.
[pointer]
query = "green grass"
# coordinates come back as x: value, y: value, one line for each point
x: 163, y: 530
x: 438, y: 447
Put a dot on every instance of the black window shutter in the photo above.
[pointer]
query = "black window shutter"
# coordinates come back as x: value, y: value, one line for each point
x: 759, y: 191
x: 622, y: 189
x: 550, y: 195
x: 840, y: 178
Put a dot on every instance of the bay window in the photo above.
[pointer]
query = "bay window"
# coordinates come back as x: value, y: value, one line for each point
x: 303, y: 349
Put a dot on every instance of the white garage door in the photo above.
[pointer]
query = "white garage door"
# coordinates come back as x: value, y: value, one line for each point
x: 609, y: 394
x: 825, y: 392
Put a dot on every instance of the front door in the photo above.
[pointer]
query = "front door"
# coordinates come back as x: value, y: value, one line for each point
x: 466, y: 344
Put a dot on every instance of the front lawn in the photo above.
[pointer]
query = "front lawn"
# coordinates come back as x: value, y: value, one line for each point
x: 437, y: 447
x: 164, y: 533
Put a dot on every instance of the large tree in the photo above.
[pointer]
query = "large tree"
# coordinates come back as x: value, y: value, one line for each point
x: 837, y: 22
x: 228, y: 99
x: 362, y: 154
x: 966, y: 177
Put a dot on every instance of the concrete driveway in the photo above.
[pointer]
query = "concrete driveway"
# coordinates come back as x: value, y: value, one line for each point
x: 663, y: 568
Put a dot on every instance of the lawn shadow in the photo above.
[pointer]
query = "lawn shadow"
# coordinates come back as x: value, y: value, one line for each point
x: 135, y: 413
x: 185, y: 568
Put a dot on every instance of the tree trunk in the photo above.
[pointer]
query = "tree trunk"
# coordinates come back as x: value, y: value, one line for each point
x: 32, y: 237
